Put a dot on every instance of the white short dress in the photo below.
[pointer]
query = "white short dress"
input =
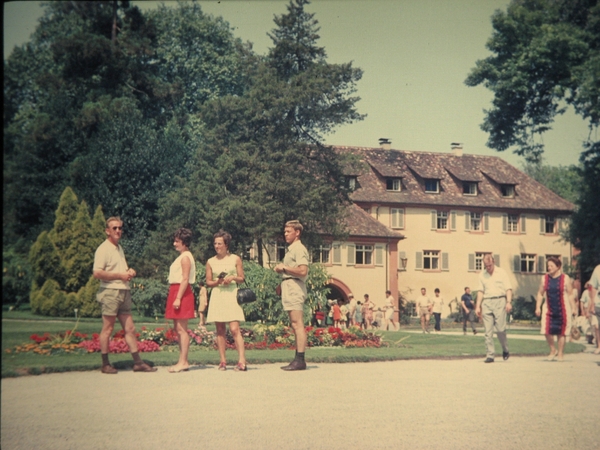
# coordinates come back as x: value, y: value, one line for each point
x: 223, y: 305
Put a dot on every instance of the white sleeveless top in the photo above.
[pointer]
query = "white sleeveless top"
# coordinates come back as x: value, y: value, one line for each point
x: 176, y: 272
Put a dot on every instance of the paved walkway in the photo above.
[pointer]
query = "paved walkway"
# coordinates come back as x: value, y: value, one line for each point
x: 525, y: 402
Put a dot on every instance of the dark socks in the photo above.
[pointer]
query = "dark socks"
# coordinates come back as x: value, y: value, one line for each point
x: 299, y: 356
x: 105, y: 359
x: 136, y: 358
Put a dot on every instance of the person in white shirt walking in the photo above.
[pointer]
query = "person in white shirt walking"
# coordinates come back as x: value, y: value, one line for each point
x: 494, y: 302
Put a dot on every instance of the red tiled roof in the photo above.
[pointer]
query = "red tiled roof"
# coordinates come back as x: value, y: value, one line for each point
x: 360, y: 223
x: 490, y: 172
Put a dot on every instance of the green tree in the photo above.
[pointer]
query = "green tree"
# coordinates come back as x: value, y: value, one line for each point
x: 62, y: 276
x: 545, y: 55
x: 585, y: 222
x: 261, y: 161
x: 96, y: 68
x: 79, y: 255
x: 562, y: 180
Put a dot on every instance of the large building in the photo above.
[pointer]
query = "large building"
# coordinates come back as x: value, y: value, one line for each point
x: 424, y: 219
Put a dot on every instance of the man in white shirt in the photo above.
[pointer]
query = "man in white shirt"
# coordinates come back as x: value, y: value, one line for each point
x: 110, y: 267
x: 594, y: 307
x: 494, y: 302
x: 424, y: 305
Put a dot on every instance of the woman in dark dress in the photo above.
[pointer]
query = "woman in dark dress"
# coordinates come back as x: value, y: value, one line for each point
x: 557, y: 312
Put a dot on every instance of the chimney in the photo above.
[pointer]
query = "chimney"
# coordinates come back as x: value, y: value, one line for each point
x: 457, y: 149
x: 385, y: 143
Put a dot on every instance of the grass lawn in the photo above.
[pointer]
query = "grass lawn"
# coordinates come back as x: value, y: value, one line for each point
x: 18, y: 326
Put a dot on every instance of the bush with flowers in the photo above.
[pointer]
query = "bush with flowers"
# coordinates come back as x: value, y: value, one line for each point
x: 259, y: 337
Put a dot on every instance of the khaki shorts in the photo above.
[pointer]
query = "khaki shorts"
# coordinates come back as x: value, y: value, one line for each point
x: 114, y: 301
x: 293, y: 294
x: 424, y: 311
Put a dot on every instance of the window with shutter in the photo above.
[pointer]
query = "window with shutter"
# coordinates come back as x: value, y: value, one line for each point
x: 337, y: 254
x: 445, y: 261
x: 351, y: 254
x: 397, y: 216
x: 517, y: 263
x: 419, y: 261
x: 541, y: 264
x: 378, y: 255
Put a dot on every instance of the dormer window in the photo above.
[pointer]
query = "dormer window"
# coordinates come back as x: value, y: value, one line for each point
x: 393, y: 184
x: 508, y: 190
x: 469, y: 188
x: 432, y: 186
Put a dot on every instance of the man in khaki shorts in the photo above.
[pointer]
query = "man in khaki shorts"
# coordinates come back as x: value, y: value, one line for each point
x: 110, y: 267
x: 293, y: 288
x: 424, y: 305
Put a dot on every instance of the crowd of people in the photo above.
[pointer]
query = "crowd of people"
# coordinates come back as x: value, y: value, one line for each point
x: 557, y: 303
x: 352, y: 313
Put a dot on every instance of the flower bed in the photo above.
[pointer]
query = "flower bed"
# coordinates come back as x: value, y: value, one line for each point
x: 259, y: 337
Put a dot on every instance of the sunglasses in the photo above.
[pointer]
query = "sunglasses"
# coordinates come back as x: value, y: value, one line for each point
x: 117, y: 228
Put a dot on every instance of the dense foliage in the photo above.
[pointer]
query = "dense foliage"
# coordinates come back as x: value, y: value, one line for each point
x: 545, y: 54
x: 61, y: 261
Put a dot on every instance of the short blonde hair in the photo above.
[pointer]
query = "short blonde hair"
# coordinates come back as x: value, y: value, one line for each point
x: 295, y: 224
x: 113, y: 219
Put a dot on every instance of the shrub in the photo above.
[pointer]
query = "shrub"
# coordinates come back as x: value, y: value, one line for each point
x: 149, y: 296
x: 523, y: 308
x: 16, y: 278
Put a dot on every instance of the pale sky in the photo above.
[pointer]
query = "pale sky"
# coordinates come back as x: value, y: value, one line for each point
x: 415, y: 55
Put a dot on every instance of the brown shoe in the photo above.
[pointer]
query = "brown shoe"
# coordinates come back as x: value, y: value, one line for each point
x: 109, y: 369
x: 295, y: 365
x: 143, y: 367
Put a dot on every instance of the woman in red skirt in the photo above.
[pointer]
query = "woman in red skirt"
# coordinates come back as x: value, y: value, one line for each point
x: 180, y: 302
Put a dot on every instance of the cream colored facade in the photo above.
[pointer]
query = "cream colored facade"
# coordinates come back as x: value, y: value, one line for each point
x: 460, y: 251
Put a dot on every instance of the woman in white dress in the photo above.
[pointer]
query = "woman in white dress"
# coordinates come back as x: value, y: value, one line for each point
x: 223, y: 274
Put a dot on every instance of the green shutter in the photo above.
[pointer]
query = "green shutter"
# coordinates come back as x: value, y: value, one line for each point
x: 351, y: 254
x: 419, y: 261
x: 445, y: 261
x: 471, y: 262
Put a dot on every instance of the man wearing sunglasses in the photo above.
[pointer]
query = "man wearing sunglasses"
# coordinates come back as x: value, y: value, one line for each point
x: 110, y: 267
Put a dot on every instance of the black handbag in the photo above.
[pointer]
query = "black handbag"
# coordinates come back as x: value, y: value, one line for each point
x: 245, y: 295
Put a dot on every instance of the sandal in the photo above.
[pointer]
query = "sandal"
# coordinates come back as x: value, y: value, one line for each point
x: 239, y: 367
x: 223, y: 366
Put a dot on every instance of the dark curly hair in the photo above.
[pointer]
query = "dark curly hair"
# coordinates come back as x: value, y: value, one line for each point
x: 184, y: 235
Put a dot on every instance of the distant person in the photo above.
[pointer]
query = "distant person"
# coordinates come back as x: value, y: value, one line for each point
x: 494, y: 302
x: 367, y: 312
x: 424, y: 305
x: 594, y: 307
x: 590, y: 327
x: 294, y: 271
x: 110, y: 267
x: 358, y: 317
x: 224, y: 272
x: 557, y: 312
x: 351, y: 310
x: 388, y: 319
x: 337, y: 314
x: 202, y: 304
x: 436, y: 309
x: 180, y: 301
x: 468, y: 310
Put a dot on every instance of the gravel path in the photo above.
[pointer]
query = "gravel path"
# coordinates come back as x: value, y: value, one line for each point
x: 525, y: 402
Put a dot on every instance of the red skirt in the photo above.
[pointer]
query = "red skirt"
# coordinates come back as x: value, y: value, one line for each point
x: 187, y: 307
